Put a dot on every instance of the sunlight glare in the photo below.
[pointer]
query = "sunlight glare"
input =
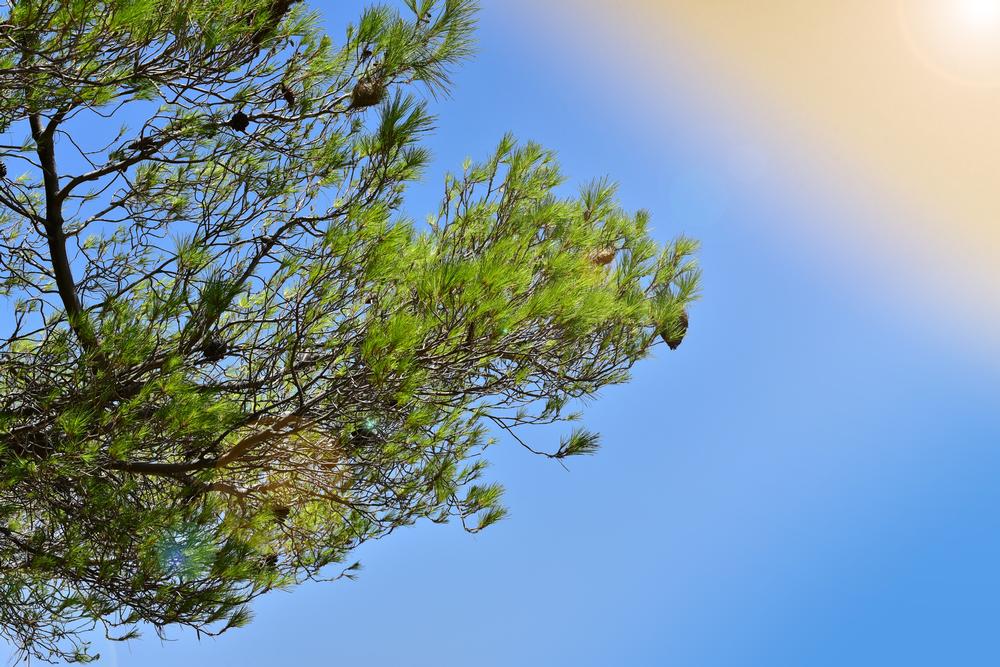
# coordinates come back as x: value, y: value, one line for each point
x: 979, y: 14
x: 959, y: 39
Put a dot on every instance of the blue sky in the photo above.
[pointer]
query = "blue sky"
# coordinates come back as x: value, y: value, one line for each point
x: 810, y: 479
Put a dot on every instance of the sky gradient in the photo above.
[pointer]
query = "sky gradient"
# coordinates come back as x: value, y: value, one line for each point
x: 810, y: 479
x: 853, y: 101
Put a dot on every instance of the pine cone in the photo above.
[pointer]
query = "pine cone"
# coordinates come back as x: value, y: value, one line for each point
x: 275, y: 13
x: 673, y: 342
x: 215, y: 349
x: 288, y: 94
x: 602, y: 256
x: 239, y: 122
x: 367, y: 93
x: 281, y: 512
x: 3, y: 170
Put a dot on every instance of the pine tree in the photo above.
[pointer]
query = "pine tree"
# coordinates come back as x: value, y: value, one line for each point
x: 228, y: 358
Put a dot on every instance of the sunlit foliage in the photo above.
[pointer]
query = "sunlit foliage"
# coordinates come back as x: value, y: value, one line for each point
x: 228, y: 357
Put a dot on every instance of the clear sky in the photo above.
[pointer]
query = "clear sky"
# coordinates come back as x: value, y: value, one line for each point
x: 810, y: 479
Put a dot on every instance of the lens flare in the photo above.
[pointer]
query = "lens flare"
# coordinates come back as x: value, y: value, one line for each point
x: 184, y: 552
x: 959, y: 39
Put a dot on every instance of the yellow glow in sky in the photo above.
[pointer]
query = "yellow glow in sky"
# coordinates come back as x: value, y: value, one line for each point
x: 902, y: 96
x: 960, y: 39
x: 979, y: 14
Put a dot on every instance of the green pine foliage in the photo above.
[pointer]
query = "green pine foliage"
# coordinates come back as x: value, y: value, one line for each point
x: 228, y: 358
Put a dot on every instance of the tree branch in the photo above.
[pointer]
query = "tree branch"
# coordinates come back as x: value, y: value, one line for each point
x: 54, y: 233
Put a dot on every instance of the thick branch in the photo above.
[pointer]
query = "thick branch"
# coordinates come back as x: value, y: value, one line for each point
x: 54, y: 233
x: 272, y: 431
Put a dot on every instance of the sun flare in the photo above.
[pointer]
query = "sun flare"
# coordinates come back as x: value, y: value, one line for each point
x: 957, y: 38
x: 979, y: 14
